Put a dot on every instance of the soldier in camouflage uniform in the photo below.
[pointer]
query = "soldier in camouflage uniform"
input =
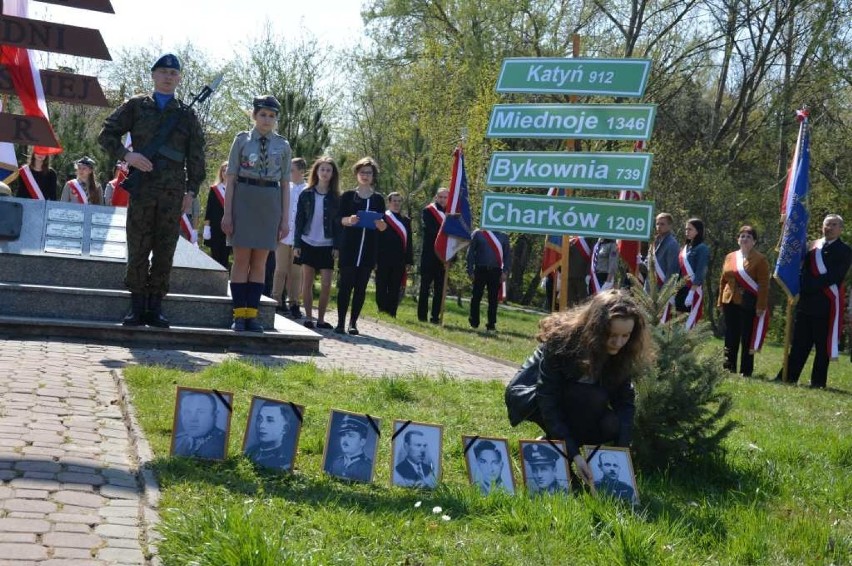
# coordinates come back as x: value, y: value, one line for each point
x: 167, y: 187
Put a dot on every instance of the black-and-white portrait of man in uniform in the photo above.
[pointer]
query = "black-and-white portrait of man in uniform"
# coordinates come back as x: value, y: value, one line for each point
x: 350, y: 447
x: 272, y: 433
x: 202, y: 422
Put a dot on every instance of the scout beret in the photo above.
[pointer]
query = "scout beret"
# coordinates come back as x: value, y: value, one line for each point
x: 537, y: 455
x: 266, y: 101
x: 86, y: 160
x: 167, y: 61
x: 350, y: 423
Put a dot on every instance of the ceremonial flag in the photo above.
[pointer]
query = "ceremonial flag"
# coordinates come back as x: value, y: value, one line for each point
x: 794, y: 214
x: 8, y: 160
x: 552, y: 256
x: 26, y: 78
x: 454, y: 234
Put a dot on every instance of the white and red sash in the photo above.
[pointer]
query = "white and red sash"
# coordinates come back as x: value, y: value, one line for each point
x: 219, y: 191
x: 593, y: 263
x: 398, y: 227
x: 582, y: 246
x: 188, y: 231
x: 30, y: 183
x: 497, y: 248
x: 661, y: 278
x: 834, y: 293
x: 78, y: 191
x: 749, y: 285
x: 437, y: 214
x: 696, y: 293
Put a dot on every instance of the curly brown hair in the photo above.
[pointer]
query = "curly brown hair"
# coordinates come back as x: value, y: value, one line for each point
x: 582, y: 332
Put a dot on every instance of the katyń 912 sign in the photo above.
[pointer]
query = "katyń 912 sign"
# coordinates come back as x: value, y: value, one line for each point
x: 602, y: 171
x: 602, y: 77
x: 540, y: 214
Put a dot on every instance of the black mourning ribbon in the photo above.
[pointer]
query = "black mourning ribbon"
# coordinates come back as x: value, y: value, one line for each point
x: 223, y: 400
x: 296, y: 411
x: 559, y: 449
x: 469, y: 444
x: 592, y: 453
x: 402, y: 428
x: 373, y: 424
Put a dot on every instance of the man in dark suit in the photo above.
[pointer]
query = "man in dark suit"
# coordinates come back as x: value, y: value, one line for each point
x: 819, y: 311
x: 489, y: 259
x: 395, y: 256
x: 431, y: 266
x: 353, y: 463
x: 416, y: 470
x: 609, y: 483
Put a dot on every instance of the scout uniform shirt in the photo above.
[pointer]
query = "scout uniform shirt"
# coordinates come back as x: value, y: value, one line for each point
x: 249, y: 162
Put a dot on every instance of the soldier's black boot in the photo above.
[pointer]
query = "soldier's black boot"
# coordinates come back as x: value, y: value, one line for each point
x: 155, y: 312
x: 136, y: 316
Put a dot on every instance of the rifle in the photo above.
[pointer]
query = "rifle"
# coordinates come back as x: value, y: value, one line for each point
x: 157, y: 145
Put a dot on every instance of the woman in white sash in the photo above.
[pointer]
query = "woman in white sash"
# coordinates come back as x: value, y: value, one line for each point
x: 693, y: 259
x: 83, y: 189
x: 743, y: 295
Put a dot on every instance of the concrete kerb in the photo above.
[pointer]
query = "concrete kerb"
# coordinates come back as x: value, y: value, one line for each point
x: 143, y: 455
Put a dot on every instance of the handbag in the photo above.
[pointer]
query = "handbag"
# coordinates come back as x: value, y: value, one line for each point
x: 520, y: 393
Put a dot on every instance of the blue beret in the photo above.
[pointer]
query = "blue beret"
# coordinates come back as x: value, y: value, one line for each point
x: 167, y: 61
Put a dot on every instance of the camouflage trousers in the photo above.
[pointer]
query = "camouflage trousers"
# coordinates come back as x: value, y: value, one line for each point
x: 153, y: 227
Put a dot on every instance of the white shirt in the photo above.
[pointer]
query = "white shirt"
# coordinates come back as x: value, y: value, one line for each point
x: 295, y: 191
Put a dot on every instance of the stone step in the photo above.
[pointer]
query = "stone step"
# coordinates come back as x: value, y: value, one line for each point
x: 287, y: 337
x: 192, y: 273
x: 110, y: 305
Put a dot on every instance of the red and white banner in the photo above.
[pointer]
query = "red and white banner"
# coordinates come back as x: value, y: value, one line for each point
x: 26, y: 79
x: 219, y: 191
x: 760, y: 324
x: 695, y: 297
x: 30, y: 183
x: 78, y: 191
x: 834, y: 293
x: 398, y: 227
x: 187, y: 230
x: 436, y: 214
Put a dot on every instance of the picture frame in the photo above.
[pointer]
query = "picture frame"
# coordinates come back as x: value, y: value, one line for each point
x: 201, y: 424
x: 416, y: 454
x: 612, y: 470
x: 545, y: 466
x: 488, y: 463
x: 272, y: 433
x: 351, y: 443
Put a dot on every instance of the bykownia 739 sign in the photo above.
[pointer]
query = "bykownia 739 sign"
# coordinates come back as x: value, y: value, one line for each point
x: 541, y: 214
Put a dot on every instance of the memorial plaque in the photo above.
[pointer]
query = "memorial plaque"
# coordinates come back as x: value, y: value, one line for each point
x: 59, y: 246
x: 64, y: 230
x: 65, y: 214
x: 108, y: 249
x: 103, y: 219
x: 111, y: 233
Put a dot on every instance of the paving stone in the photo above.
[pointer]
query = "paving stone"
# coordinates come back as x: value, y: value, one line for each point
x: 27, y: 466
x: 71, y: 540
x: 121, y: 555
x: 17, y: 537
x: 89, y: 519
x: 117, y: 492
x: 31, y: 483
x: 16, y: 551
x: 28, y: 494
x: 71, y: 528
x: 23, y: 526
x: 81, y: 553
x: 117, y: 531
x: 119, y: 511
x: 28, y: 505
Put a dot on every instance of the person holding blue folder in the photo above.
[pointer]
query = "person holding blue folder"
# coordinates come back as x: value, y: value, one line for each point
x: 360, y: 213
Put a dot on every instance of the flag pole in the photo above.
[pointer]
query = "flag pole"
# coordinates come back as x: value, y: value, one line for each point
x: 566, y: 247
x: 462, y: 139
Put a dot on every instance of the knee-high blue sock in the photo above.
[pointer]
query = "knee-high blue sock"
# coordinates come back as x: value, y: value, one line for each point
x: 239, y: 295
x: 255, y: 290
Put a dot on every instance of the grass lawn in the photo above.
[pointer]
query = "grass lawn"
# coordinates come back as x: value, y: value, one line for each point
x: 783, y: 495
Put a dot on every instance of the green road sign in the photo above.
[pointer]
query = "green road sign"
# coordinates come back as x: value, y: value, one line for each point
x: 605, y: 77
x: 572, y: 121
x: 603, y: 171
x: 540, y: 214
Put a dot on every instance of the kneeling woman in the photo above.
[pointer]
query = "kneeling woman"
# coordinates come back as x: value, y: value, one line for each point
x: 256, y: 204
x: 578, y: 385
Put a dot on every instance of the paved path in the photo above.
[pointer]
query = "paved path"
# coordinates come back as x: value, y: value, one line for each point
x: 69, y: 489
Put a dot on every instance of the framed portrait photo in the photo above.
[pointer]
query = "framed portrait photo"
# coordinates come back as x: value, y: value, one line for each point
x: 416, y: 454
x: 202, y: 423
x: 351, y: 442
x: 488, y: 464
x: 612, y: 470
x: 272, y: 433
x: 545, y: 467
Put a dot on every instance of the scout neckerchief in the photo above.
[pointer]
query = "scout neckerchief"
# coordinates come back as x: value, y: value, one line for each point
x: 834, y: 293
x: 219, y: 191
x: 437, y: 214
x: 696, y: 293
x: 593, y: 263
x: 749, y: 285
x: 78, y: 191
x: 30, y: 183
x: 398, y: 227
x: 497, y: 248
x: 186, y: 228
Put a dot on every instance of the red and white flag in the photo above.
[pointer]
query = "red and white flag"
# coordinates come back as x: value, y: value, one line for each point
x: 454, y: 234
x: 26, y: 79
x: 30, y: 183
x: 186, y: 229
